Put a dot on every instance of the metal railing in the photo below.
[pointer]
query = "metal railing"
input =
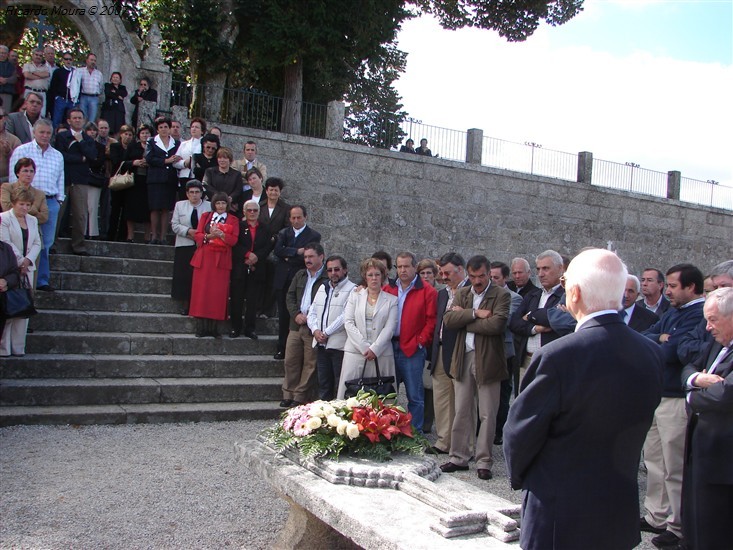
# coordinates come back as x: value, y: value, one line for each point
x: 706, y: 192
x: 529, y: 157
x: 629, y: 177
x: 442, y: 142
x: 251, y: 108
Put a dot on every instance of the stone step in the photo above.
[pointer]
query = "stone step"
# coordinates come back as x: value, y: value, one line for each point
x: 112, y: 266
x: 102, y: 282
x: 140, y: 366
x: 104, y: 321
x: 134, y: 343
x: 117, y: 391
x: 103, y: 301
x: 112, y: 249
x: 140, y: 414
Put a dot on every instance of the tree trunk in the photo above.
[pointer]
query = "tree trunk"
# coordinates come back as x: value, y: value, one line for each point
x: 290, y: 123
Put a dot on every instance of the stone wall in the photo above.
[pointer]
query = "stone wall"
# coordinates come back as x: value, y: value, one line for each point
x: 363, y: 199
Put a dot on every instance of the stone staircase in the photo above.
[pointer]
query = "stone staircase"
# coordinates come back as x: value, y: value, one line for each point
x: 111, y: 347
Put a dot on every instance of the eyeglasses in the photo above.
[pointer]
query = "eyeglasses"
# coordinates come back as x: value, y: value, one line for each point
x: 251, y: 210
x: 68, y: 59
x: 333, y: 270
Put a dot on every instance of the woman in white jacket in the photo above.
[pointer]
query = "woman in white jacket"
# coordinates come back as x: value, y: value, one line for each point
x: 370, y: 319
x: 20, y: 230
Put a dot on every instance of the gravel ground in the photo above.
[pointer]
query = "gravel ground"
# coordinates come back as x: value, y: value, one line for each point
x: 147, y: 486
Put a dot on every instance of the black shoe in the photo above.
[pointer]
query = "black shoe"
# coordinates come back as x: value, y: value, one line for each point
x: 200, y: 334
x: 437, y: 451
x: 234, y: 334
x: 184, y: 312
x: 666, y: 540
x: 295, y: 403
x: 82, y: 253
x: 251, y: 334
x: 280, y: 355
x: 483, y: 473
x: 216, y: 335
x: 450, y: 467
x: 498, y: 440
x: 645, y: 526
x: 46, y: 288
x: 286, y: 403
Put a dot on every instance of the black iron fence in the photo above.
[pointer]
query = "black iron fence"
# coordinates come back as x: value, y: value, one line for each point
x: 244, y: 107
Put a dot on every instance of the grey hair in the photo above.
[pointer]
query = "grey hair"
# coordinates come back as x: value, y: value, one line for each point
x: 524, y: 263
x: 255, y: 203
x: 554, y: 256
x: 42, y: 122
x: 637, y: 284
x: 723, y: 298
x: 724, y: 268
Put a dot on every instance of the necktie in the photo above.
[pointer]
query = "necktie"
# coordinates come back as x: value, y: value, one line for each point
x: 194, y: 218
x: 622, y: 313
x: 718, y: 360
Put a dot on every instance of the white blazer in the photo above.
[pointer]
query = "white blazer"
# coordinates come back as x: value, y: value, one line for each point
x: 181, y: 221
x: 384, y: 323
x: 10, y: 233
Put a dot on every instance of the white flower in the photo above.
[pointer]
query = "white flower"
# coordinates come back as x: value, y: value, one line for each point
x: 313, y: 423
x: 352, y: 402
x: 333, y: 420
x: 352, y: 430
x: 341, y: 428
x: 328, y: 409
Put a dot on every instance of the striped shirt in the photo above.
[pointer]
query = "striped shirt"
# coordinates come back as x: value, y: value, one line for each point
x: 49, y: 168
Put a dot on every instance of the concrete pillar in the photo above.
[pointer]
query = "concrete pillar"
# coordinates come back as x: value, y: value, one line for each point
x: 335, y: 112
x: 674, y: 181
x: 154, y: 67
x: 585, y: 167
x: 474, y: 145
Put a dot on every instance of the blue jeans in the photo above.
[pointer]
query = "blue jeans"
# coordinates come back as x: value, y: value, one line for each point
x: 88, y: 104
x: 48, y: 235
x: 60, y: 105
x: 409, y: 370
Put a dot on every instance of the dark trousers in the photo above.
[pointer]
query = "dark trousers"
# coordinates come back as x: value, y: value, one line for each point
x: 505, y: 394
x: 241, y: 290
x: 267, y: 299
x: 283, y: 318
x: 328, y: 368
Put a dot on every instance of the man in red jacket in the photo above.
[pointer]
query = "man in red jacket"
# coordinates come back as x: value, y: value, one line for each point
x: 418, y: 305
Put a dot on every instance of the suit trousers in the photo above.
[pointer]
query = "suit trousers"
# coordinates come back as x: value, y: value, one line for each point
x: 84, y: 211
x: 300, y: 366
x: 467, y: 391
x: 664, y: 454
x: 444, y: 403
x: 241, y: 290
x: 329, y: 363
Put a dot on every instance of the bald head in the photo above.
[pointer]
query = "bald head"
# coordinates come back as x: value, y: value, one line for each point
x: 595, y: 281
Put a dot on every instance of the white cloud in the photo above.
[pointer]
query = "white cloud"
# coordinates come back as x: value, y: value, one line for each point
x: 657, y: 111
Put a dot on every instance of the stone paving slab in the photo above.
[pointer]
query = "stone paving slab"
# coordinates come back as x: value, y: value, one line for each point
x: 113, y: 266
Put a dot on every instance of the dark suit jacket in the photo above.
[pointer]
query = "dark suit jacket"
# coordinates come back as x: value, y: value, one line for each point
x: 286, y: 250
x: 576, y: 431
x: 280, y: 216
x: 537, y: 316
x: 642, y: 318
x: 16, y: 124
x: 76, y: 156
x: 710, y: 425
x: 526, y: 289
x: 262, y: 247
x: 158, y: 170
x: 449, y: 335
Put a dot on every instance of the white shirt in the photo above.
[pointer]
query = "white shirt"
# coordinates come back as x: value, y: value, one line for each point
x: 305, y: 301
x: 49, y: 168
x: 534, y: 342
x: 629, y: 312
x: 477, y: 299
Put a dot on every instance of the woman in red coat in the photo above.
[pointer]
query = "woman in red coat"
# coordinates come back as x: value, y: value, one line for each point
x: 217, y: 233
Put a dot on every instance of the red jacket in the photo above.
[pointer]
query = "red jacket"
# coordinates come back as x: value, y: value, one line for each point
x: 418, y: 316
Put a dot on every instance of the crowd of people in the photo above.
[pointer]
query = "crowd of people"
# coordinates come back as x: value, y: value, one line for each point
x: 462, y: 336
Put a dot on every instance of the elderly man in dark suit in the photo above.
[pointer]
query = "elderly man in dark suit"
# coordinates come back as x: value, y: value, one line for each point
x: 21, y: 124
x: 637, y: 317
x: 478, y: 365
x: 289, y: 250
x: 575, y: 432
x: 707, y: 503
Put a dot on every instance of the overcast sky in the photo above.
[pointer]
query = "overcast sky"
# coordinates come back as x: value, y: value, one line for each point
x: 649, y: 82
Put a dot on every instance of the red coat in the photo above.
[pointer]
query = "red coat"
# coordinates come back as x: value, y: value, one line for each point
x: 419, y: 313
x: 212, y: 264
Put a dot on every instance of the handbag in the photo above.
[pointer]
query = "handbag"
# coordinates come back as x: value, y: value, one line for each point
x: 19, y: 301
x: 118, y: 182
x: 381, y: 385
